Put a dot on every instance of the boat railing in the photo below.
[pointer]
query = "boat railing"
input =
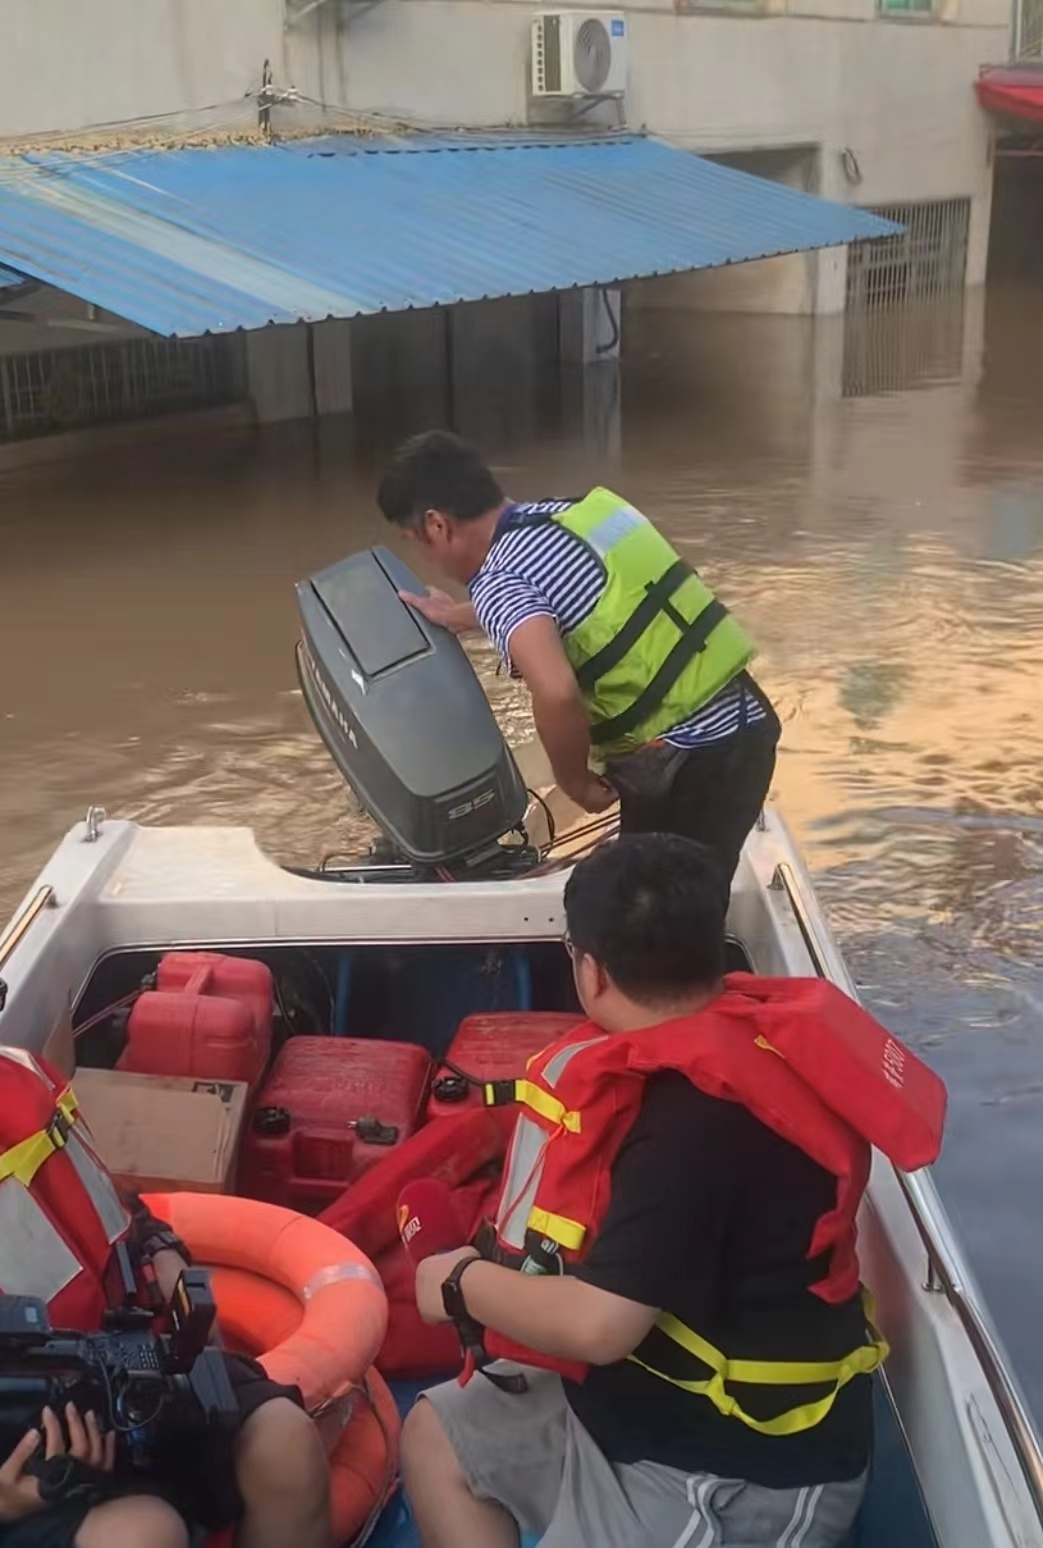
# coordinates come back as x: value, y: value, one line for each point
x: 945, y: 1273
x: 12, y: 937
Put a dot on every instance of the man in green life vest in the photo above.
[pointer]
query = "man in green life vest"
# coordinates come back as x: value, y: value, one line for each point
x: 637, y: 671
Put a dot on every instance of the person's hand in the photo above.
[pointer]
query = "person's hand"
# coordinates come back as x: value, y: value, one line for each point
x: 431, y: 1274
x: 19, y: 1490
x: 594, y: 794
x: 19, y: 1494
x: 439, y: 608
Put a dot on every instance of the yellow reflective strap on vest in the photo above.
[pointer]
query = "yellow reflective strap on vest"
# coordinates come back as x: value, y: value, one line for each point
x: 770, y: 1373
x: 567, y: 1233
x: 25, y: 1159
x: 547, y: 1106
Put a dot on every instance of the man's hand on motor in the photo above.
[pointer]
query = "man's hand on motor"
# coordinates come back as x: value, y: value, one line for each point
x: 431, y: 1275
x: 594, y: 794
x: 19, y: 1490
x: 439, y: 608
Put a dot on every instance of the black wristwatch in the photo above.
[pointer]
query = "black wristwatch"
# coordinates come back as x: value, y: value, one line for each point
x: 452, y: 1294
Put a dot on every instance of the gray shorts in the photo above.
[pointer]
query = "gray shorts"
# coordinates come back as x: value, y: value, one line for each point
x: 530, y: 1453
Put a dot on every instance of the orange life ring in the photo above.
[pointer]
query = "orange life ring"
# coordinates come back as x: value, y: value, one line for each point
x: 306, y: 1303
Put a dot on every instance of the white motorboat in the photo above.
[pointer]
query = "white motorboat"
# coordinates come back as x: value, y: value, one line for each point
x: 958, y: 1463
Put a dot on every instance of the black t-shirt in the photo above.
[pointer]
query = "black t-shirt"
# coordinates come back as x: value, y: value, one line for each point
x: 711, y: 1218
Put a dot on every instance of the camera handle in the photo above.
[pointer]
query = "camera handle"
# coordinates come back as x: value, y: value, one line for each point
x: 126, y: 1312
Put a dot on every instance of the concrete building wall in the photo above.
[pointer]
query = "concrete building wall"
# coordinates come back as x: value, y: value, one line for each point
x: 68, y: 66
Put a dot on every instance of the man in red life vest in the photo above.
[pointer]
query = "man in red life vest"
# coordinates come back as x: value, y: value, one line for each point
x: 60, y: 1221
x: 676, y: 1250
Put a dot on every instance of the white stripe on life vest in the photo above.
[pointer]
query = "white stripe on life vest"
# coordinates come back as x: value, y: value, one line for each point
x: 555, y: 1067
x: 521, y: 1182
x: 611, y: 530
x: 524, y: 1170
x: 34, y: 1260
x: 96, y: 1180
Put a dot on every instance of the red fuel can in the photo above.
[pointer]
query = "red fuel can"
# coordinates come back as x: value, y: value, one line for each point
x: 210, y: 1016
x: 493, y: 1046
x: 330, y: 1109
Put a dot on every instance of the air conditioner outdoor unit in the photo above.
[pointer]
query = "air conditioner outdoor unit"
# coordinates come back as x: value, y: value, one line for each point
x: 579, y: 54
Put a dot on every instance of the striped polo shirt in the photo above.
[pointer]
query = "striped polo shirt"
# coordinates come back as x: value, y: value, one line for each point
x: 540, y: 571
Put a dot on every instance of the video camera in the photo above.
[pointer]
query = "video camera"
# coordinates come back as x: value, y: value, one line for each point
x: 135, y: 1380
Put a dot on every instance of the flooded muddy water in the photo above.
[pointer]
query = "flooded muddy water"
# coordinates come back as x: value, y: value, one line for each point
x: 869, y: 499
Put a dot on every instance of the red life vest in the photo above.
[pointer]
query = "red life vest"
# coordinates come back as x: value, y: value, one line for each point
x: 806, y: 1060
x: 60, y: 1214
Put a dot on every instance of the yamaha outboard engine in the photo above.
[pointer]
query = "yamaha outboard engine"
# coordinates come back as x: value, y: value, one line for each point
x: 397, y: 703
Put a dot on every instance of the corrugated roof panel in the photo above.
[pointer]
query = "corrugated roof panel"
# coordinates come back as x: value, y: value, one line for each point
x: 192, y: 241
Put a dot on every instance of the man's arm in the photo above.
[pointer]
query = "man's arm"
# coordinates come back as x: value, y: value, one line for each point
x: 559, y: 712
x: 168, y: 1266
x: 556, y: 1315
x: 664, y: 1231
x: 167, y: 1263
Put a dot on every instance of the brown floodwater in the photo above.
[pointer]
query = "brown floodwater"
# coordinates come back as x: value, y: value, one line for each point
x: 870, y: 500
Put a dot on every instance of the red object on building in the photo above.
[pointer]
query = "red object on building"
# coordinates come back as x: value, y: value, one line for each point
x: 496, y: 1046
x: 1013, y: 91
x: 331, y: 1108
x: 209, y: 1016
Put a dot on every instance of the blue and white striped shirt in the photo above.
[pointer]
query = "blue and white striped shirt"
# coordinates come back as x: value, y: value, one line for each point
x: 540, y: 571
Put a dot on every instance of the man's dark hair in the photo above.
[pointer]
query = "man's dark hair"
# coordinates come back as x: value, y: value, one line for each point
x: 650, y: 908
x: 437, y: 471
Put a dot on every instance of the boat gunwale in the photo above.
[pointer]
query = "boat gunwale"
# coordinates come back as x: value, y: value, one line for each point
x: 944, y: 1275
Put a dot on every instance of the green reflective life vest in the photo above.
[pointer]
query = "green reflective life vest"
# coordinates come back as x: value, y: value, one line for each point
x: 658, y: 645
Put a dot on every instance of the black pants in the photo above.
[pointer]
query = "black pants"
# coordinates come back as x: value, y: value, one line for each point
x: 716, y: 794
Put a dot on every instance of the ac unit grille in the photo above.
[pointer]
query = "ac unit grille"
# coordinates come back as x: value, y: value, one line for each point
x: 548, y: 62
x: 579, y: 54
x: 593, y: 54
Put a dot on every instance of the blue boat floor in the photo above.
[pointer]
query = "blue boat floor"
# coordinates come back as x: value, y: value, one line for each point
x: 893, y: 1510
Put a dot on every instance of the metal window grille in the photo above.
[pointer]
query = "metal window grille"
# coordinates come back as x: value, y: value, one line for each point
x: 927, y: 260
x: 1028, y: 41
x: 49, y: 390
x: 905, y: 7
x: 895, y: 349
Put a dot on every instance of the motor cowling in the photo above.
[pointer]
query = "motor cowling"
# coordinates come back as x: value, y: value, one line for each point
x: 404, y: 717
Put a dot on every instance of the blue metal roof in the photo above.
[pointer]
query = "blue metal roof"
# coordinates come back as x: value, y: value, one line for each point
x: 191, y: 241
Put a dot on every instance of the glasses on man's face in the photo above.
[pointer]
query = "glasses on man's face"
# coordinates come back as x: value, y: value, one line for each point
x: 566, y: 941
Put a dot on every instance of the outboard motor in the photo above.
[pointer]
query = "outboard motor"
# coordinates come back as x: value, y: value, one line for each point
x: 404, y: 717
